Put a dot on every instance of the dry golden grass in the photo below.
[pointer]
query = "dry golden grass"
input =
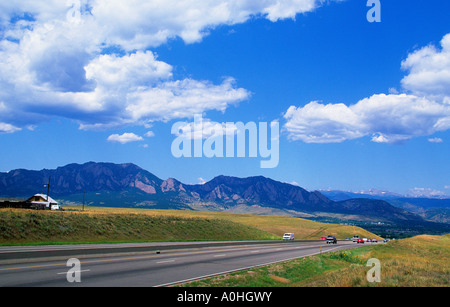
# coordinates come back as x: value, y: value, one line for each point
x: 276, y: 225
x: 105, y: 224
x: 97, y: 225
x: 421, y: 261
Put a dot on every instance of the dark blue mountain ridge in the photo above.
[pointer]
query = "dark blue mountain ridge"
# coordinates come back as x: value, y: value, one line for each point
x: 223, y: 193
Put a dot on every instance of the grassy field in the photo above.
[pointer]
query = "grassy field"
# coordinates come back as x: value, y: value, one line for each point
x: 275, y: 225
x: 421, y: 261
x: 418, y: 261
x: 102, y: 224
x: 46, y: 227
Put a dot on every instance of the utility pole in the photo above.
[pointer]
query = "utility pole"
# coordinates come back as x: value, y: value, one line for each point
x: 48, y: 187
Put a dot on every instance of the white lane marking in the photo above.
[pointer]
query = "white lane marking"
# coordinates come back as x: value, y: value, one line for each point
x: 221, y: 255
x: 165, y: 261
x: 73, y: 272
x: 240, y: 269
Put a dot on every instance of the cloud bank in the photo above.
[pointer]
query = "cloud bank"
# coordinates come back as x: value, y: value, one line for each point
x: 422, y: 110
x: 89, y: 60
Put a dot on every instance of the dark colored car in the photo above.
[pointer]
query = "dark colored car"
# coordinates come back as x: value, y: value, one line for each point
x: 331, y: 240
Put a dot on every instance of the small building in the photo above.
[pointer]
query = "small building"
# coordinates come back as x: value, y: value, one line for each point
x: 14, y: 203
x: 43, y: 202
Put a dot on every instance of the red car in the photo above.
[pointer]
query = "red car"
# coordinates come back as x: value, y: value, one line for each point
x: 323, y: 238
x: 360, y: 241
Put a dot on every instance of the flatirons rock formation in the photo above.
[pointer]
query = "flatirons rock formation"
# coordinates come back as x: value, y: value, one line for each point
x: 131, y: 185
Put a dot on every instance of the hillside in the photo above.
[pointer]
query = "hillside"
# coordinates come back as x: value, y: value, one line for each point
x: 74, y: 178
x: 128, y: 185
x: 130, y: 225
x: 99, y: 226
x: 431, y: 209
x: 263, y: 191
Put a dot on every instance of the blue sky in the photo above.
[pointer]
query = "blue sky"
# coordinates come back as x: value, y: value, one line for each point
x: 360, y: 105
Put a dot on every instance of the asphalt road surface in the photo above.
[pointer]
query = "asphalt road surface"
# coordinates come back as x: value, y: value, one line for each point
x: 146, y: 264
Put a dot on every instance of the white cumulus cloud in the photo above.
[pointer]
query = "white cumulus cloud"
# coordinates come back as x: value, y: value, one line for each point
x: 124, y: 138
x: 429, y: 70
x: 387, y: 118
x: 435, y: 140
x: 89, y: 60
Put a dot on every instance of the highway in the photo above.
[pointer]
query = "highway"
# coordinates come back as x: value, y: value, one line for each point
x: 144, y: 264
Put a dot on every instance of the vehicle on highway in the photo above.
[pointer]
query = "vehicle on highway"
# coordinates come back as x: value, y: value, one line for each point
x: 355, y: 238
x: 360, y: 241
x: 323, y: 238
x: 331, y: 240
x: 375, y: 240
x: 288, y: 236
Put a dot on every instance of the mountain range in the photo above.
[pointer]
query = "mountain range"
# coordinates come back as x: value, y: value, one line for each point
x: 432, y: 209
x: 128, y: 185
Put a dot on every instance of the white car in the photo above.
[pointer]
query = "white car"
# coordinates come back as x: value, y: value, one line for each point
x: 288, y: 236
